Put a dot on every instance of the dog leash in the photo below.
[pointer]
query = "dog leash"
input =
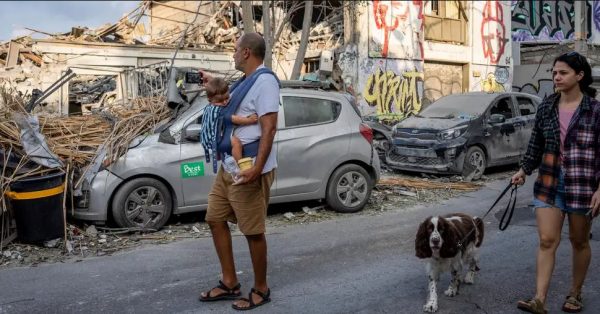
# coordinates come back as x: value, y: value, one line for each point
x: 510, y: 208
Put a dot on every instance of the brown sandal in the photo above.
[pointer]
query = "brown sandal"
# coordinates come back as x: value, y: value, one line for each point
x: 573, y: 304
x: 534, y: 306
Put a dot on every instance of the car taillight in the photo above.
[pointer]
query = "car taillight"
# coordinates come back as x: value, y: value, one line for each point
x: 366, y: 132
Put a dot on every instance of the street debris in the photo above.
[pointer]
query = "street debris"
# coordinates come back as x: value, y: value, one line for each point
x: 427, y: 184
x: 289, y: 215
x: 87, y: 241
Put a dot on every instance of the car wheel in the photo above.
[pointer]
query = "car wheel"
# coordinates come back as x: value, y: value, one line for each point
x: 349, y: 188
x: 142, y: 202
x: 474, y: 164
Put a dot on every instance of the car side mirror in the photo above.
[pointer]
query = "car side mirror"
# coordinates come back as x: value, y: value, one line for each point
x: 496, y: 118
x: 192, y: 132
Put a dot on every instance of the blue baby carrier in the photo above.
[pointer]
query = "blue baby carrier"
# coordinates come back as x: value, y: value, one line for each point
x: 225, y: 126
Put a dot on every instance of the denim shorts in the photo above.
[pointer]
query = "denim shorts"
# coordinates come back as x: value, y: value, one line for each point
x: 559, y: 200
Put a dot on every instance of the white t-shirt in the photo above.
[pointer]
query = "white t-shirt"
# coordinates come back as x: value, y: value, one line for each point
x: 262, y: 98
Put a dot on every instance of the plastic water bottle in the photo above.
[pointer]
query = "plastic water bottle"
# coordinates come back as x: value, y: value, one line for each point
x: 230, y: 165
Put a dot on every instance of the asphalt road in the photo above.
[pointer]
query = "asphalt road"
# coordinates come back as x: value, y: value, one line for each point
x: 356, y: 264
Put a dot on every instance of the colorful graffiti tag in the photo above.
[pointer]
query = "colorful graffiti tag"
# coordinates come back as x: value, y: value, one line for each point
x: 493, y: 32
x: 380, y: 13
x: 545, y: 20
x: 397, y: 29
x: 394, y: 94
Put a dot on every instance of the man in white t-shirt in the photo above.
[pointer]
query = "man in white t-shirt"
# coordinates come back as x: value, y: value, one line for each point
x: 245, y: 202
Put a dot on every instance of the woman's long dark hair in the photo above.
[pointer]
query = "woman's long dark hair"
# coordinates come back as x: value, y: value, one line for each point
x: 579, y: 63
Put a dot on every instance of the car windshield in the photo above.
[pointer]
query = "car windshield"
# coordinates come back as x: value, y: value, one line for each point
x: 187, y: 113
x: 466, y: 106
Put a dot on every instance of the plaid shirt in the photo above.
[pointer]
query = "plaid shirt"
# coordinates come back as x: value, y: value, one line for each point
x: 581, y: 153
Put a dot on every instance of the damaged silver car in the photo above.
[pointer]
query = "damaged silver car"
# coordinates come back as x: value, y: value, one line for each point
x: 464, y: 134
x: 324, y: 151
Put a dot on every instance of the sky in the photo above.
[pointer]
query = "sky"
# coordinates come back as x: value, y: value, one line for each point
x: 58, y: 16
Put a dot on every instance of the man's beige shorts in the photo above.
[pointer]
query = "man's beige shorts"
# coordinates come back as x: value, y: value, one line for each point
x: 244, y: 204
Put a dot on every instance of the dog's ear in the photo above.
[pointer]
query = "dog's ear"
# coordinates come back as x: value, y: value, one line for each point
x: 449, y: 239
x: 422, y: 249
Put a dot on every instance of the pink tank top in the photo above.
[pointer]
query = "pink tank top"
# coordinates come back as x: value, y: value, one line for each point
x: 564, y: 118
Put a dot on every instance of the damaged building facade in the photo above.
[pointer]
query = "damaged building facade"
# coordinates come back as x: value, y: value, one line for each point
x: 410, y: 53
x: 396, y: 57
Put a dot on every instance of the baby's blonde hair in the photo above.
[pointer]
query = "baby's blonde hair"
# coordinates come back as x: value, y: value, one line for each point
x: 217, y: 90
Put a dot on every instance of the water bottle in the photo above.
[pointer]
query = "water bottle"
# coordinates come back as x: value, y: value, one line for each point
x: 230, y: 165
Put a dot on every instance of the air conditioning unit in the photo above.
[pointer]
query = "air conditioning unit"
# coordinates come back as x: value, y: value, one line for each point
x: 326, y: 61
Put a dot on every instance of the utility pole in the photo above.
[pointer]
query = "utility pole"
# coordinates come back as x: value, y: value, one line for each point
x: 581, y: 27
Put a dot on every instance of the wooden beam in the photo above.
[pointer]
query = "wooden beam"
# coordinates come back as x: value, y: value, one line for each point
x: 13, y: 54
x: 35, y: 59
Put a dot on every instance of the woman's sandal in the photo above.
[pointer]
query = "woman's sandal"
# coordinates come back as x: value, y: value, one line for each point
x: 229, y: 294
x: 251, y: 305
x: 532, y: 306
x: 573, y: 304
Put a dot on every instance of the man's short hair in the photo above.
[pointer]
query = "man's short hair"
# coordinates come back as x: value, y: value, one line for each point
x: 255, y: 42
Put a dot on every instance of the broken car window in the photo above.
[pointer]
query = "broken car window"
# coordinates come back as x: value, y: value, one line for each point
x: 526, y: 106
x: 503, y: 107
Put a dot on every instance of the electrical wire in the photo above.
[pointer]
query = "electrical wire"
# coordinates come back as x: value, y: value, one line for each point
x: 181, y: 42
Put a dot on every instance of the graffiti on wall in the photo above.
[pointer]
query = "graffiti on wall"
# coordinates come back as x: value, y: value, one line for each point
x: 542, y: 88
x: 545, y: 20
x: 394, y: 94
x: 596, y: 14
x: 493, y: 33
x: 491, y: 85
x: 396, y: 29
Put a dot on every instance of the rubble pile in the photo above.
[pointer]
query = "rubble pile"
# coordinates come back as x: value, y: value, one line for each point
x: 324, y: 35
x: 78, y: 144
x: 77, y: 139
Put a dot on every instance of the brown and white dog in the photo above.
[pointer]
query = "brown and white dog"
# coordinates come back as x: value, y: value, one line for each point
x: 448, y: 242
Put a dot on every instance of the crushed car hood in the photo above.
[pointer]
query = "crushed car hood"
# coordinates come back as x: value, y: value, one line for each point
x: 431, y: 123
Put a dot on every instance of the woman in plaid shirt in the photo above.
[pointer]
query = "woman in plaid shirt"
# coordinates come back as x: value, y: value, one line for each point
x: 565, y: 146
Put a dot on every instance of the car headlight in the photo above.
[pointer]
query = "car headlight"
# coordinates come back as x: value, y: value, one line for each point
x: 451, y: 133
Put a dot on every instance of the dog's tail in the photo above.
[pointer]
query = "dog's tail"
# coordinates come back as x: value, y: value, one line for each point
x: 479, y: 231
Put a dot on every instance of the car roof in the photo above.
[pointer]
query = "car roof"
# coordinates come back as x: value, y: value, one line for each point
x: 497, y: 94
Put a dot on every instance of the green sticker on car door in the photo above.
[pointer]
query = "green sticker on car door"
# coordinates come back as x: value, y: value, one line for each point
x: 192, y: 169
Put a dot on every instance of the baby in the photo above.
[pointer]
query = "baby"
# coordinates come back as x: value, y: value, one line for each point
x: 217, y: 92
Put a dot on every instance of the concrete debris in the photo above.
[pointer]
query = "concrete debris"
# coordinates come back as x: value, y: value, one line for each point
x: 69, y: 247
x: 52, y: 243
x: 91, y: 230
x: 407, y: 193
x: 195, y: 229
x: 289, y: 215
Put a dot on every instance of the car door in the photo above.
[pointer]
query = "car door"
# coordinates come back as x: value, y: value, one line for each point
x: 196, y: 175
x: 501, y: 138
x: 526, y: 108
x: 311, y: 135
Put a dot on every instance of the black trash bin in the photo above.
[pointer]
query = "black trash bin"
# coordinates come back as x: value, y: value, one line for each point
x: 37, y: 204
